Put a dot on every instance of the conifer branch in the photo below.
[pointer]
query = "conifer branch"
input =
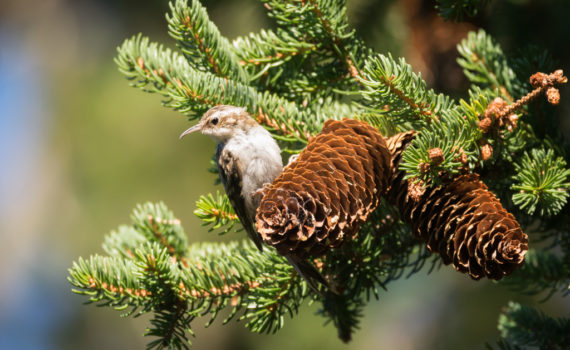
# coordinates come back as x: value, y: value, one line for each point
x: 191, y: 92
x: 456, y: 134
x: 485, y: 65
x: 123, y: 242
x: 524, y: 326
x: 336, y: 38
x: 159, y: 225
x: 269, y: 51
x: 541, y: 181
x: 169, y: 322
x: 542, y: 271
x: 107, y: 280
x: 159, y: 235
x: 207, y: 279
x: 200, y: 41
x: 338, y: 53
x: 154, y: 69
x: 393, y: 86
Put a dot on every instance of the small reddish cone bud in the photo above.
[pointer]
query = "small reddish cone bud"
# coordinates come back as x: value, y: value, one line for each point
x: 538, y: 80
x: 459, y: 154
x: 486, y: 151
x: 463, y: 156
x: 436, y: 156
x: 553, y: 95
x: 500, y: 122
x: 495, y: 107
x: 423, y: 167
x: 140, y: 62
x: 513, y: 118
x: 485, y: 125
x: 558, y: 77
x: 416, y: 190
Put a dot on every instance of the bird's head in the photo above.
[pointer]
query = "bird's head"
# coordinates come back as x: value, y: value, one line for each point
x: 223, y: 122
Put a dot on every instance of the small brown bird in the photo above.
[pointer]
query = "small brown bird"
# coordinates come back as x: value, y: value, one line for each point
x: 247, y: 158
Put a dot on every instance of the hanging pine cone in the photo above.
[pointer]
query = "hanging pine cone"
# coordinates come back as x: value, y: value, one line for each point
x: 320, y: 200
x: 461, y: 220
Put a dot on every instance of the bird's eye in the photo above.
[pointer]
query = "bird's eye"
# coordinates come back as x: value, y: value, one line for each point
x: 214, y: 120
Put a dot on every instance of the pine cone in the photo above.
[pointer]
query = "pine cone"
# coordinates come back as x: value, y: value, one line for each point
x: 320, y: 200
x: 461, y: 220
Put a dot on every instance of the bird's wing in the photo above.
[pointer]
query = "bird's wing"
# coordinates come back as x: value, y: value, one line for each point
x: 230, y: 170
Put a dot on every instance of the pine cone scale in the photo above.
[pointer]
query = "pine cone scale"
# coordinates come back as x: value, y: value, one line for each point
x: 351, y: 165
x: 341, y: 174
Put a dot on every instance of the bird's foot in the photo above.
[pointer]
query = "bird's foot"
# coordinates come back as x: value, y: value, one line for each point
x: 261, y: 192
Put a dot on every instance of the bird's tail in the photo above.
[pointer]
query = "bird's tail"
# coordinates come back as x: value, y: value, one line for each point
x: 310, y: 274
x: 252, y: 233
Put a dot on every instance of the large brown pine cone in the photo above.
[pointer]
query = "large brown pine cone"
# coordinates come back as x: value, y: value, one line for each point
x: 461, y: 220
x: 321, y: 199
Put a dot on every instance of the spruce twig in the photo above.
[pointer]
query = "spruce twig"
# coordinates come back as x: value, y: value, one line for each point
x: 541, y: 83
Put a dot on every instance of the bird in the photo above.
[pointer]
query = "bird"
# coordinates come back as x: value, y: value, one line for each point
x: 248, y: 159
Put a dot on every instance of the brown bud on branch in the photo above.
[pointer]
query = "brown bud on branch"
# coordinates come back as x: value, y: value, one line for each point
x: 486, y: 152
x: 435, y: 156
x: 542, y: 83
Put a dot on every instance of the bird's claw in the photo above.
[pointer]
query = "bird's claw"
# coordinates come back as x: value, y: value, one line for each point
x: 261, y: 192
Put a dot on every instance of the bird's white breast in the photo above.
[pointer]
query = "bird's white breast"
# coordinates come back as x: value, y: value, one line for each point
x: 260, y: 159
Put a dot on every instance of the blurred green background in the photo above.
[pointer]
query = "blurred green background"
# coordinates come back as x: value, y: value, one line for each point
x: 79, y: 149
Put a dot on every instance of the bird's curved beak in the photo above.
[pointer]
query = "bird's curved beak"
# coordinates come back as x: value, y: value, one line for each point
x: 191, y: 130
